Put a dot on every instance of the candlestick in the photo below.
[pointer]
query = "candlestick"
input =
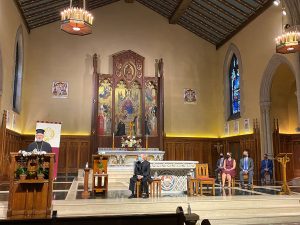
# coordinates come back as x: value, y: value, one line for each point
x: 113, y: 141
x: 146, y: 141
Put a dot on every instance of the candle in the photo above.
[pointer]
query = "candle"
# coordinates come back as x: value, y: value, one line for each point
x: 113, y: 141
x: 96, y: 180
x: 87, y: 165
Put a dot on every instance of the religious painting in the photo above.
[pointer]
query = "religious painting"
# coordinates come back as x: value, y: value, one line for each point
x: 247, y: 125
x: 189, y: 96
x: 128, y: 109
x: 150, y: 109
x: 226, y: 129
x: 60, y: 89
x: 104, y: 120
x: 236, y: 127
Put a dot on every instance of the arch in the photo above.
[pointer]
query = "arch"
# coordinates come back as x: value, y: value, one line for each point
x: 232, y: 50
x: 18, y: 70
x: 265, y: 100
x: 268, y: 74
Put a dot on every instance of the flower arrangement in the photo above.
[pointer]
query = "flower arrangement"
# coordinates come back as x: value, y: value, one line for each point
x: 130, y: 142
x: 29, y: 166
x: 34, y: 152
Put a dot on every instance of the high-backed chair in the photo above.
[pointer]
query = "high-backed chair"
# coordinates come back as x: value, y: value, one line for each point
x: 203, y: 177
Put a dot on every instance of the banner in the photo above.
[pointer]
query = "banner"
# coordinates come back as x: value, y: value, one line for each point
x: 52, y: 136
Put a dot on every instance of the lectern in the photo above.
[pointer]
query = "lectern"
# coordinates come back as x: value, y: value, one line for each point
x: 283, y: 159
x: 31, y: 196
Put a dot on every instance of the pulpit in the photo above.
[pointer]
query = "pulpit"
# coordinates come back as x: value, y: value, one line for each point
x: 100, y: 176
x: 31, y: 186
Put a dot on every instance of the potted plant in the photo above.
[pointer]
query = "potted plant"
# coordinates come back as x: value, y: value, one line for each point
x: 100, y: 166
x: 21, y: 173
x: 40, y: 173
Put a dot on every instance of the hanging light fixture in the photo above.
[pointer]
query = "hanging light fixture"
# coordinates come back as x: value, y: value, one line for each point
x: 289, y: 40
x: 77, y: 21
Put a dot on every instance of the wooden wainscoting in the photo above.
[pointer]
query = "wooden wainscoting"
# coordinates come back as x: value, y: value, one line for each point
x: 198, y: 149
x: 12, y: 144
x: 289, y: 143
x: 237, y: 144
x: 74, y: 152
x: 207, y: 150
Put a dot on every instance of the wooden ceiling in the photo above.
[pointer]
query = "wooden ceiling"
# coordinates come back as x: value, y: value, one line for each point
x: 213, y: 20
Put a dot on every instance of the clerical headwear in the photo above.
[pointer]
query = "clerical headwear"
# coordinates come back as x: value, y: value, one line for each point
x: 40, y: 131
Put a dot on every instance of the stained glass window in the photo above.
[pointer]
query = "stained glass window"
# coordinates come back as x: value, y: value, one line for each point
x: 234, y: 84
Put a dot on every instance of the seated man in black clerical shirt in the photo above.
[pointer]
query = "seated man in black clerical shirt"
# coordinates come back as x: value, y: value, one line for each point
x: 141, y: 172
x: 39, y: 144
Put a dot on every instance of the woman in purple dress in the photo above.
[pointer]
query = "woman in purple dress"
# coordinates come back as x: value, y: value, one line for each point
x: 228, y: 170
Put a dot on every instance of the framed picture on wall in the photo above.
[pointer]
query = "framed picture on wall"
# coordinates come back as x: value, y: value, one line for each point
x: 60, y: 89
x: 189, y: 96
x: 226, y: 129
x: 236, y: 127
x: 247, y: 125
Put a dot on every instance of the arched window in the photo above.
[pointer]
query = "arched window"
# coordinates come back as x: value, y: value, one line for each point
x: 18, y: 71
x: 234, y: 86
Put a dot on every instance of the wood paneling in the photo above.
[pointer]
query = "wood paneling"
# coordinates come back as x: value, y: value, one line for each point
x: 74, y: 152
x: 287, y: 143
x: 207, y: 150
x: 12, y: 144
x: 198, y: 149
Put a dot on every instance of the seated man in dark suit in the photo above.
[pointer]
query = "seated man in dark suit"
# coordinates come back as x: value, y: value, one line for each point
x: 266, y: 168
x: 142, y: 173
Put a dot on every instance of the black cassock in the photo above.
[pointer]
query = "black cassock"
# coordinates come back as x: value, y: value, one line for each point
x: 142, y: 169
x: 40, y: 146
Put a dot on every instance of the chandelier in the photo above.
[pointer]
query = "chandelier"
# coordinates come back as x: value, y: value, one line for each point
x: 77, y: 21
x: 288, y: 42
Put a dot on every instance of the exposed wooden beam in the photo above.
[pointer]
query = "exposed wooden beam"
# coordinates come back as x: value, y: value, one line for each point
x: 129, y: 1
x: 249, y: 20
x: 22, y: 15
x: 180, y: 9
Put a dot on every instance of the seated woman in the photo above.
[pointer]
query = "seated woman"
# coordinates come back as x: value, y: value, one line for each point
x: 228, y: 170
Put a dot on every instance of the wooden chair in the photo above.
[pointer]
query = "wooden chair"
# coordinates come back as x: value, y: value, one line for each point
x: 246, y: 177
x: 192, y: 186
x: 203, y: 177
x: 138, y: 184
x: 155, y: 187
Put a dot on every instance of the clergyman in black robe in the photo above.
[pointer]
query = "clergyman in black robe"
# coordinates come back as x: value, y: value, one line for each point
x: 39, y: 144
x: 141, y: 172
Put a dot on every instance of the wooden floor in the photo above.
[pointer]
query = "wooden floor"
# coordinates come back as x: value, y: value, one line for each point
x: 262, y: 205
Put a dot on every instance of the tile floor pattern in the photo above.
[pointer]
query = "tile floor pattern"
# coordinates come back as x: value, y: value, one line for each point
x: 228, y: 203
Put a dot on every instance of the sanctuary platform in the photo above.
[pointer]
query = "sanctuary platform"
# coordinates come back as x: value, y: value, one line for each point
x: 262, y: 205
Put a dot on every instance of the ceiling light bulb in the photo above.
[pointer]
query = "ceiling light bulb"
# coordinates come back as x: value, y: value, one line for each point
x: 276, y: 2
x: 76, y: 28
x: 284, y: 12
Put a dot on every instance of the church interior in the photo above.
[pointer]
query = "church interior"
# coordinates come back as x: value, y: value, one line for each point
x: 179, y: 81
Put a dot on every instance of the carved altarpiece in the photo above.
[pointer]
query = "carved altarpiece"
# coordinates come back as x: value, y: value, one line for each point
x: 127, y: 102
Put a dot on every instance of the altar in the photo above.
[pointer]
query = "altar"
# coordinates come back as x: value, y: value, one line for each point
x: 120, y: 157
x: 173, y: 174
